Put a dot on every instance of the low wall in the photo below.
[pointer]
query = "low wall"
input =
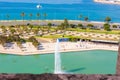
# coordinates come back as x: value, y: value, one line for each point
x: 58, y: 77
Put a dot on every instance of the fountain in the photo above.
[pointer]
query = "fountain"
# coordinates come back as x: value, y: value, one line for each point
x: 57, y: 59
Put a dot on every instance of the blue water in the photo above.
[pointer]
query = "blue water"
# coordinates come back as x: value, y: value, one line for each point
x: 95, y: 11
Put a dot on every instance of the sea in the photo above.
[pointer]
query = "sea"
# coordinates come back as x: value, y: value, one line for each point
x: 86, y: 8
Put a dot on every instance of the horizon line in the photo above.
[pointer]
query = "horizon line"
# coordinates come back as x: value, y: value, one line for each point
x: 40, y: 3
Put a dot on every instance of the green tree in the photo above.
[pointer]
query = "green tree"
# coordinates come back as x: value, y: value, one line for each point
x: 20, y: 41
x: 30, y: 15
x: 4, y: 30
x: 107, y: 19
x: 12, y: 31
x: 8, y: 16
x: 31, y: 27
x: 91, y: 26
x: 23, y: 15
x: 3, y: 40
x: 9, y: 39
x: 36, y: 31
x: 16, y: 38
x: 45, y: 16
x: 80, y: 17
x: 114, y: 26
x: 2, y: 27
x: 56, y: 29
x: 86, y: 18
x: 80, y: 26
x: 34, y: 41
x: 38, y: 16
x: 49, y: 26
x: 107, y: 27
x: 25, y: 29
x: 66, y: 23
x: 19, y: 44
x: 72, y: 25
x: 39, y: 27
x: 62, y: 27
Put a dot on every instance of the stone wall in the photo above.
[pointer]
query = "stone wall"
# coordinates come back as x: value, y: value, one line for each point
x: 58, y: 77
x: 118, y: 61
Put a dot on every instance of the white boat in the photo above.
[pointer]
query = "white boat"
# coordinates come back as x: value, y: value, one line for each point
x: 38, y: 6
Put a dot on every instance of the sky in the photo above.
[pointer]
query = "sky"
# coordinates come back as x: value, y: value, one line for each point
x: 44, y: 1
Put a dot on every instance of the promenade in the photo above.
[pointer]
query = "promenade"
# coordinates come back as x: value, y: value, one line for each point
x: 45, y: 22
x: 45, y: 48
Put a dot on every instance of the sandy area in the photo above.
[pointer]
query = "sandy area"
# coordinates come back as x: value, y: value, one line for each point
x: 29, y: 49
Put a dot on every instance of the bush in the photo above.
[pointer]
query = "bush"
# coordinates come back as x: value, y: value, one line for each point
x: 107, y: 27
x: 34, y: 41
x: 73, y: 39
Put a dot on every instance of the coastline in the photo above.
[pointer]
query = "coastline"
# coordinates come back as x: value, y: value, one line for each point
x: 64, y: 47
x: 107, y: 2
x: 31, y: 50
x: 42, y: 22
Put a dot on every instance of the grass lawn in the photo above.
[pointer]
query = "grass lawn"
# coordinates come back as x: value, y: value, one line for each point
x: 55, y: 36
x: 83, y: 30
x: 95, y: 31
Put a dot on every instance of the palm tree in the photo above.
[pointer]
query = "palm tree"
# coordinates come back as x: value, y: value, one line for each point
x: 66, y: 23
x: 23, y: 15
x: 38, y: 16
x: 80, y: 16
x: 62, y: 28
x: 8, y: 16
x: 45, y: 16
x: 86, y: 18
x: 49, y: 26
x: 30, y: 15
x: 107, y: 19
